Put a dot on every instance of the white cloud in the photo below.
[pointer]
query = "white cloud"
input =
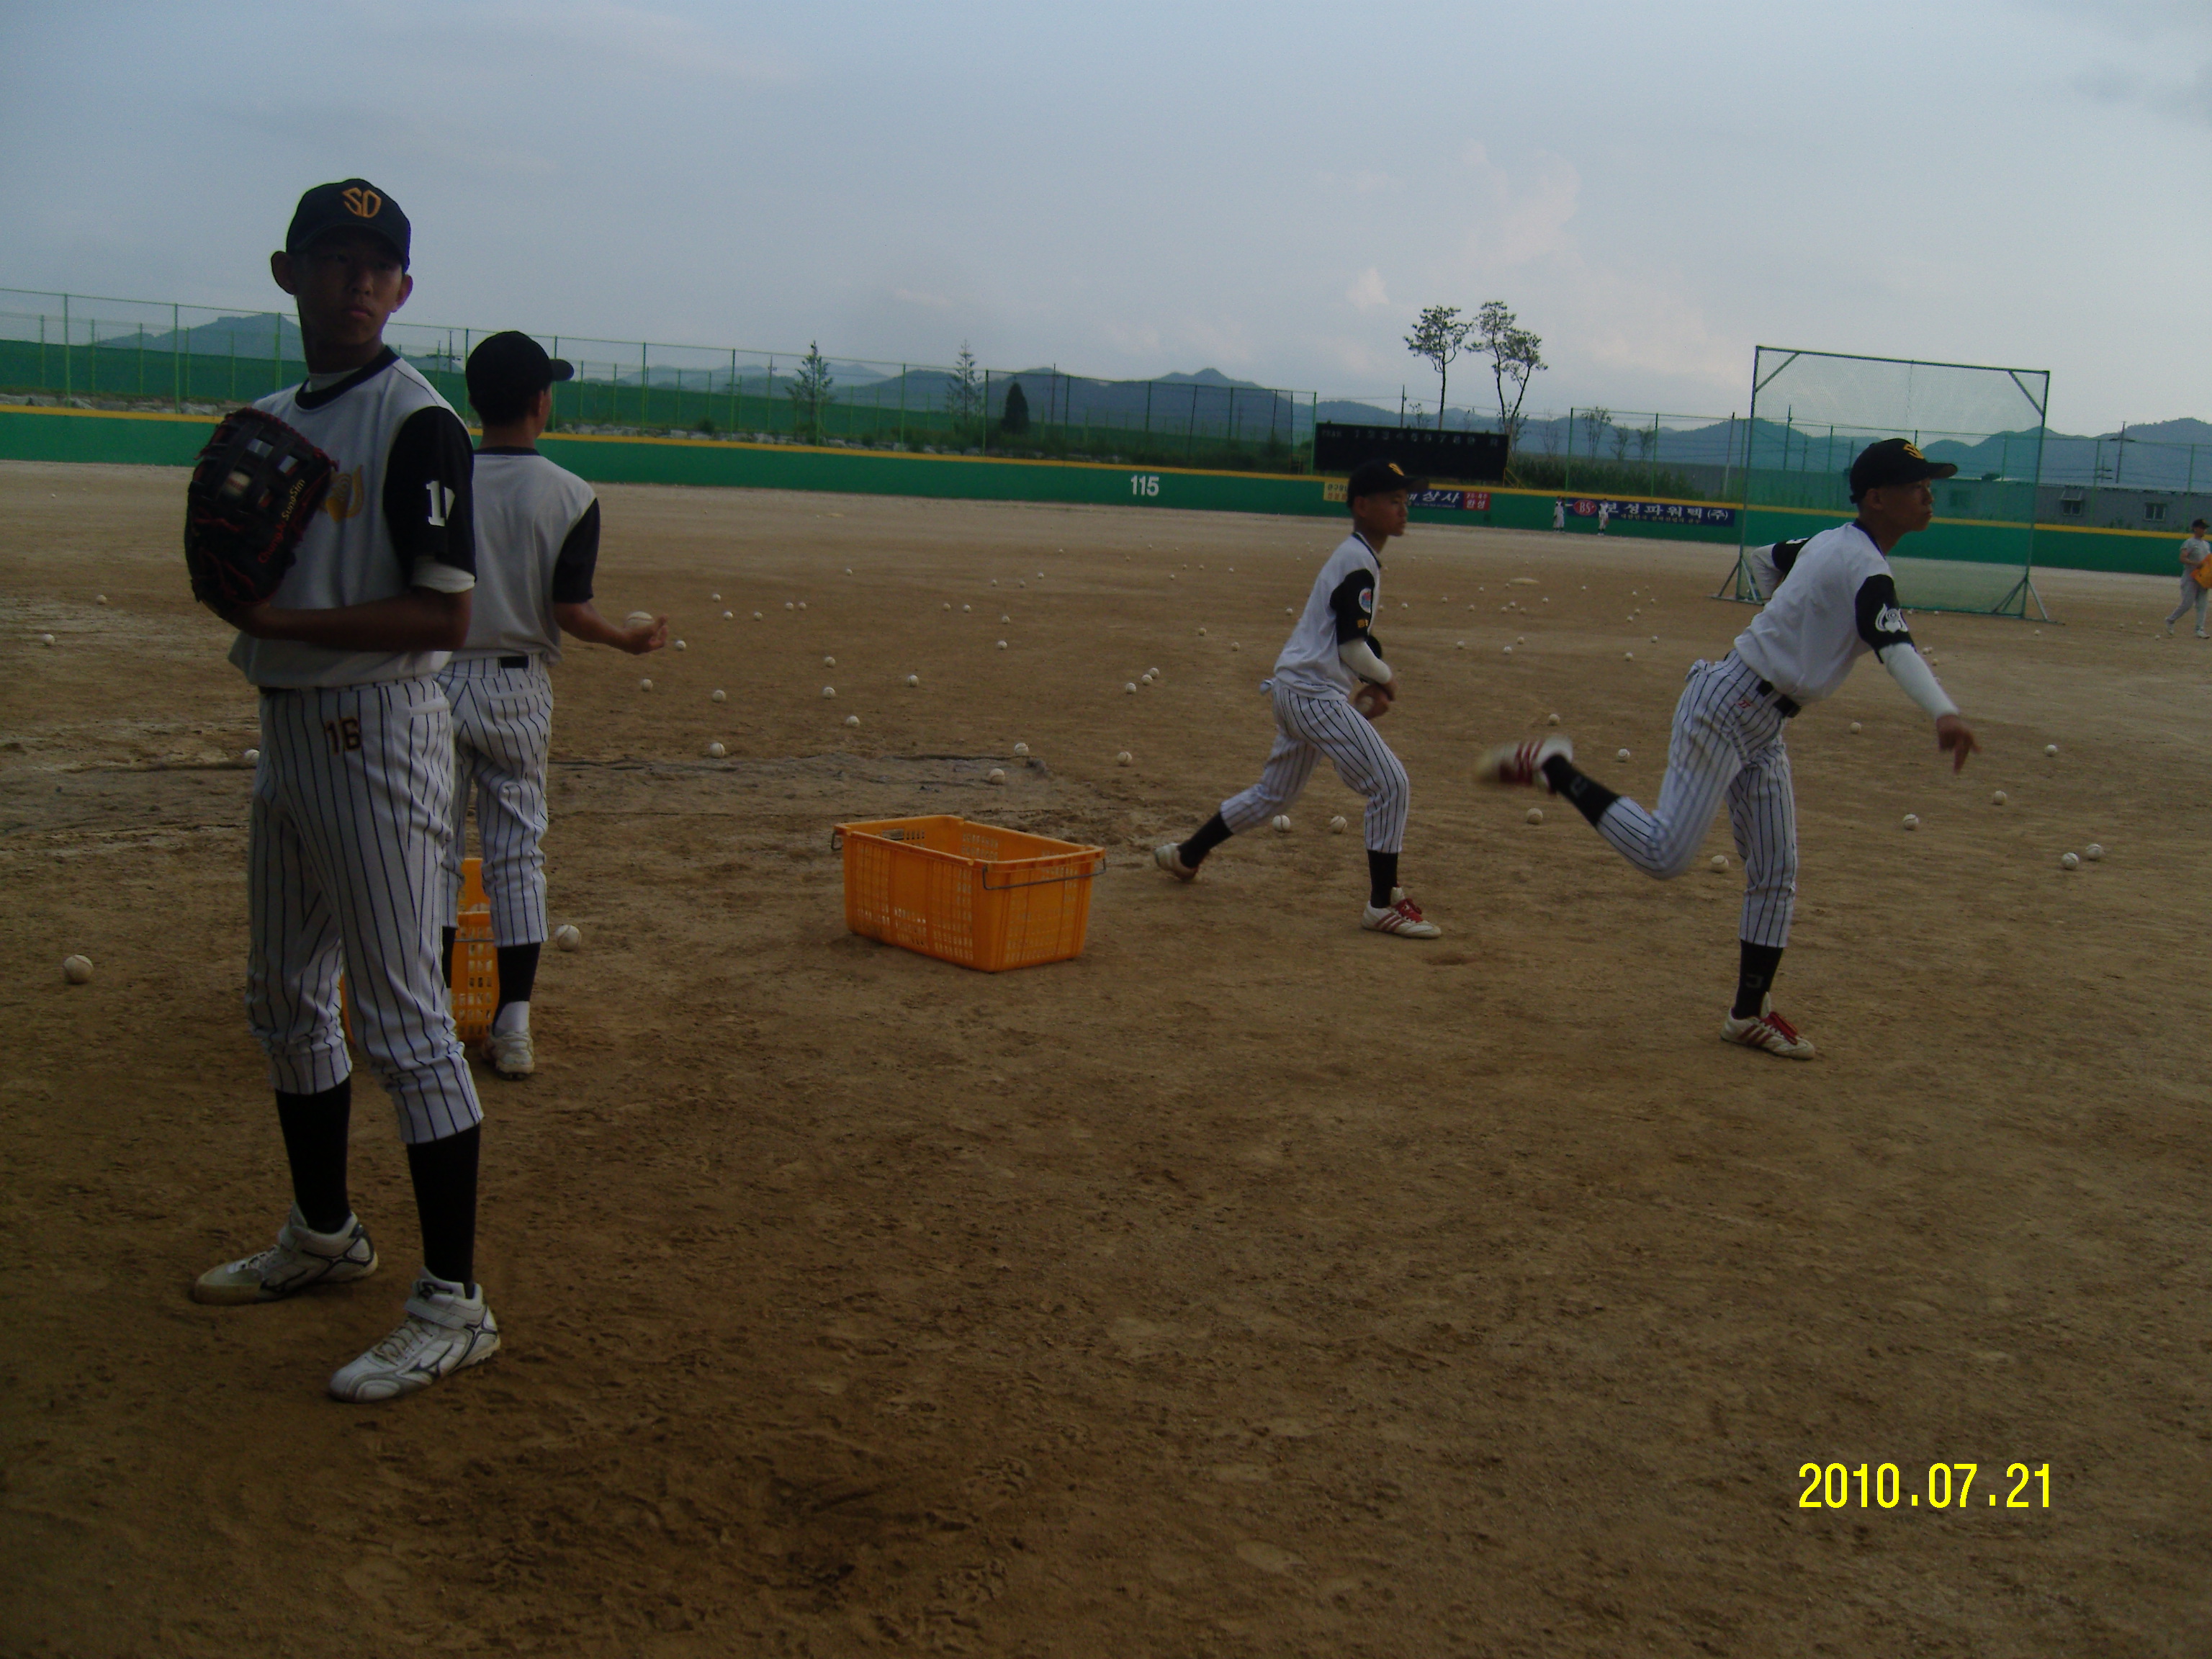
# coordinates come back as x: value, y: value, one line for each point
x: 1367, y: 292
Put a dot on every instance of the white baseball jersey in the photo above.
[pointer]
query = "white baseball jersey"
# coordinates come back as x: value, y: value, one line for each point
x: 1835, y: 601
x: 1340, y: 609
x: 397, y: 516
x: 2195, y: 550
x: 538, y: 535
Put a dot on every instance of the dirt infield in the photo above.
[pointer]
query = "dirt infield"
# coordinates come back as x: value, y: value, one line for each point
x: 1251, y: 1285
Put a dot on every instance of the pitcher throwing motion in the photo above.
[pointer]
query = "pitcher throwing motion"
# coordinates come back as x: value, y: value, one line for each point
x: 1331, y: 655
x: 1829, y: 599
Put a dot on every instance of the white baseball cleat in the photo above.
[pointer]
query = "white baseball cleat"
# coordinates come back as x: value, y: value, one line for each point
x: 1168, y: 857
x: 1401, y: 917
x: 511, y: 1052
x: 444, y: 1332
x: 300, y: 1259
x: 1769, y: 1032
x: 1513, y: 763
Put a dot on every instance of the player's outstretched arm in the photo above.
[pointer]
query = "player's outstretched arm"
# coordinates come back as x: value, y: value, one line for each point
x: 421, y: 619
x: 583, y: 621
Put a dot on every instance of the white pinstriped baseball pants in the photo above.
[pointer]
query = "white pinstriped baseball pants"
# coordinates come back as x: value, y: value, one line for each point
x: 502, y: 727
x: 1726, y: 740
x: 1306, y: 728
x: 348, y: 828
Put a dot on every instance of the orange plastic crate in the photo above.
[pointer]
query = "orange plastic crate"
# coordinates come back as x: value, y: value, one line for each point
x: 968, y: 893
x: 475, y: 964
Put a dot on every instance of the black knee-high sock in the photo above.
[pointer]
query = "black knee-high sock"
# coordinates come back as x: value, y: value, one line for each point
x: 446, y: 953
x: 1382, y: 876
x: 315, y: 1143
x: 1211, y: 835
x: 1754, y: 977
x: 445, y: 1173
x: 1584, y: 794
x: 518, y: 973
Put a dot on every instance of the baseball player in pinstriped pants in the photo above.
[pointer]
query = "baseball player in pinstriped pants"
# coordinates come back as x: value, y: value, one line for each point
x: 1331, y: 651
x: 1828, y: 600
x: 538, y: 546
x: 348, y: 820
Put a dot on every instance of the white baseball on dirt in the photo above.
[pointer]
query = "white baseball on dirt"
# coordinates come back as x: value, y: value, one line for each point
x: 252, y: 756
x: 1534, y: 815
x: 828, y: 692
x: 680, y: 646
x: 1201, y: 633
x: 1144, y: 679
x: 828, y: 662
x: 852, y: 719
x: 1121, y: 759
x: 2092, y: 852
x: 644, y: 685
x: 1233, y: 645
x: 1855, y: 728
x: 997, y: 775
x: 1550, y: 719
x: 1021, y: 749
x: 716, y: 751
x: 566, y: 937
x: 718, y: 696
x: 2050, y: 748
x: 1620, y: 754
x: 1130, y: 687
x: 1336, y: 826
x: 1999, y: 799
x: 914, y: 679
x: 1911, y: 822
x: 1720, y: 863
x: 729, y: 616
x: 1281, y: 824
x: 101, y: 598
x: 45, y: 639
x: 1628, y: 656
x: 2068, y: 862
x: 716, y: 598
x: 77, y: 970
x: 1002, y: 645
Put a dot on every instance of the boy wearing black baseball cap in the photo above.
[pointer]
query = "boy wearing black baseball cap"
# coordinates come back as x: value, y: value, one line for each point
x: 350, y: 814
x: 1829, y: 599
x: 1331, y: 685
x: 537, y: 547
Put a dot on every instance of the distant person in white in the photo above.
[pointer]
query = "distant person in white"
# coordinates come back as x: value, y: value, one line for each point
x: 538, y: 546
x: 2194, y: 594
x: 1558, y: 515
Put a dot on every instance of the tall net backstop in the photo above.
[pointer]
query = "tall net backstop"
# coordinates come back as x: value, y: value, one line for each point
x: 1813, y: 411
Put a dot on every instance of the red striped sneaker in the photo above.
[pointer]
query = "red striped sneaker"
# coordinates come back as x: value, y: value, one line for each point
x: 1769, y: 1032
x: 1403, y: 917
x: 1523, y: 763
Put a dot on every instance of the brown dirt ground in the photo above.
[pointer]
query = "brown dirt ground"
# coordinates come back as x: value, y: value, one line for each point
x: 1252, y: 1285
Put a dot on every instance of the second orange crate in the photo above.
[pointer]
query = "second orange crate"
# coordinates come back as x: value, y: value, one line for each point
x: 968, y: 893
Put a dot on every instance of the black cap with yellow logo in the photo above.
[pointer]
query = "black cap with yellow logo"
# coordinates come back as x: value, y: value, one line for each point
x: 1377, y: 479
x: 349, y: 204
x: 1894, y: 461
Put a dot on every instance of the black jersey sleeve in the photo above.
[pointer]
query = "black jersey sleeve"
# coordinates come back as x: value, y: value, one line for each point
x: 1353, y: 601
x: 429, y: 504
x: 578, y: 558
x: 1881, y: 618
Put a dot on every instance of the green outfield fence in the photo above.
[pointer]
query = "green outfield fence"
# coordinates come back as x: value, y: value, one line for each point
x: 149, y: 354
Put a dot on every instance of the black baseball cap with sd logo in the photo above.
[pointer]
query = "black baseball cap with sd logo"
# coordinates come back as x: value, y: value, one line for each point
x: 349, y: 204
x: 1378, y: 477
x: 1894, y: 461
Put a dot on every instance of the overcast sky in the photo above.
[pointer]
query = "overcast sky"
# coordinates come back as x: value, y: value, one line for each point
x: 1130, y: 189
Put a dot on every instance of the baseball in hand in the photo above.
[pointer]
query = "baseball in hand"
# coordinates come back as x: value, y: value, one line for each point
x: 638, y: 619
x: 1371, y: 701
